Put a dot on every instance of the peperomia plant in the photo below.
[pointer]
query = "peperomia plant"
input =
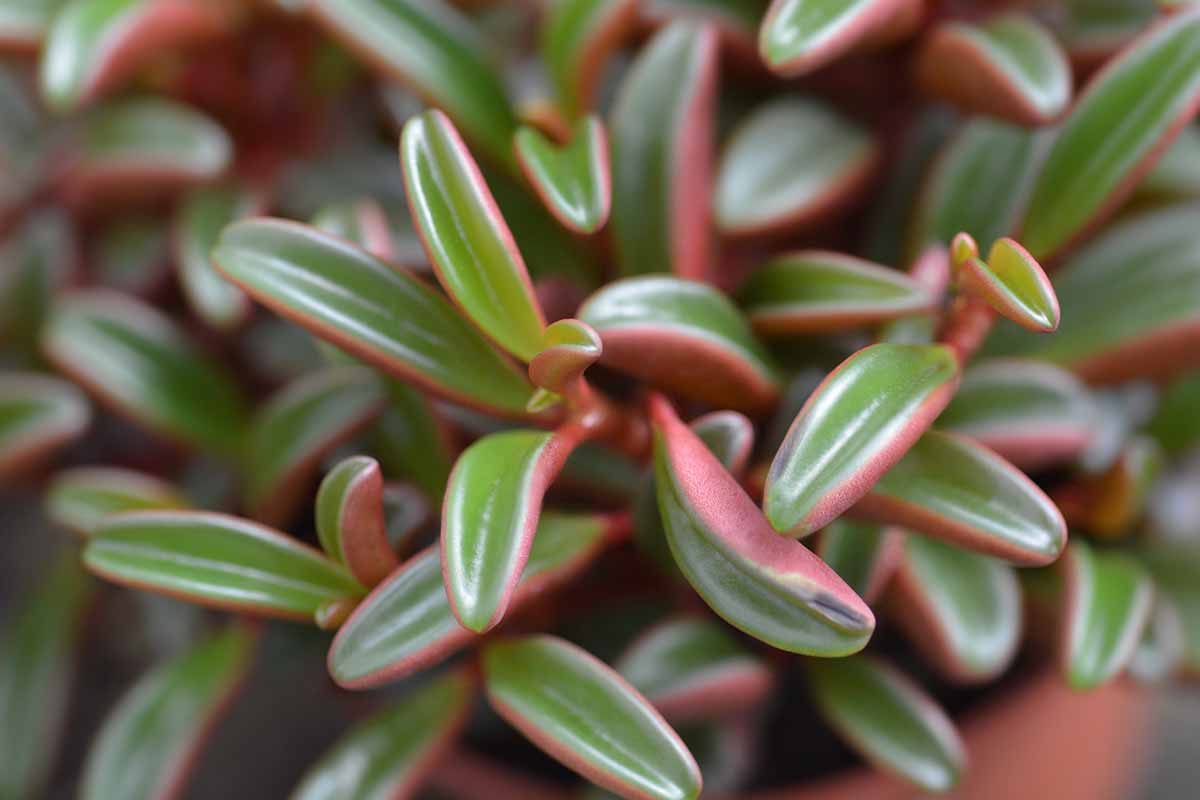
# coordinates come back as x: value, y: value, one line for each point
x: 644, y: 387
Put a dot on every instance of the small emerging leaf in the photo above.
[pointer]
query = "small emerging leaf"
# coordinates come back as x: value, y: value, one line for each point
x: 568, y: 349
x: 350, y: 520
x: 1013, y: 283
x: 574, y: 182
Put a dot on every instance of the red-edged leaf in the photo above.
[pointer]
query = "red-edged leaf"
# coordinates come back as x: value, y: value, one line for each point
x: 798, y: 36
x: 576, y: 39
x: 570, y: 347
x: 350, y: 519
x: 38, y: 414
x: 1014, y: 284
x: 573, y: 181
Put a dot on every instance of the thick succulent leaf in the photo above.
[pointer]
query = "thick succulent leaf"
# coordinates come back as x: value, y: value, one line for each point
x: 865, y: 555
x: 949, y: 487
x: 434, y: 49
x: 790, y: 162
x: 1030, y: 412
x: 153, y: 735
x: 661, y: 128
x: 391, y: 753
x: 1008, y: 66
x: 23, y: 23
x: 816, y: 290
x: 770, y: 587
x: 679, y: 335
x: 857, y: 424
x: 960, y: 609
x: 135, y: 359
x: 1137, y: 104
x: 92, y: 45
x: 350, y: 519
x: 691, y: 668
x: 37, y: 259
x: 468, y: 242
x: 568, y: 349
x: 798, y: 36
x: 371, y: 309
x: 297, y: 427
x: 889, y: 720
x: 980, y: 183
x: 1013, y: 284
x: 1175, y: 568
x: 406, y: 624
x: 217, y: 560
x: 362, y: 222
x: 1129, y: 302
x: 37, y: 415
x: 198, y: 224
x: 490, y: 515
x: 80, y: 498
x: 582, y: 713
x: 413, y: 443
x: 576, y: 39
x: 36, y: 663
x: 1108, y: 603
x: 573, y: 181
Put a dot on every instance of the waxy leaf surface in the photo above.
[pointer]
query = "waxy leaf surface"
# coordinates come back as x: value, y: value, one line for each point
x: 575, y: 42
x: 350, y: 519
x: 798, y: 36
x: 1013, y: 283
x: 573, y: 181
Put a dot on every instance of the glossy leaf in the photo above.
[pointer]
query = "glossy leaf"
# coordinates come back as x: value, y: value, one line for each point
x: 469, y: 244
x: 854, y: 427
x: 772, y: 588
x: 1141, y: 100
x: 350, y: 519
x: 216, y: 560
x: 297, y: 427
x: 1008, y: 66
x: 434, y: 49
x: 1013, y: 283
x: 798, y: 36
x: 1108, y: 602
x: 37, y: 415
x: 573, y: 181
x: 661, y: 128
x: 948, y: 487
x: 691, y: 668
x: 361, y: 222
x: 692, y: 329
x: 569, y: 348
x: 370, y: 309
x: 392, y: 752
x: 137, y: 360
x: 576, y: 39
x: 863, y: 554
x: 36, y: 666
x: 816, y: 290
x: 152, y: 737
x: 490, y: 515
x: 582, y: 713
x: 82, y: 497
x: 960, y: 609
x: 406, y: 624
x: 790, y: 162
x: 889, y: 720
x: 198, y: 224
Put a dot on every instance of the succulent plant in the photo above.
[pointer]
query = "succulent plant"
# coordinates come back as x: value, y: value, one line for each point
x: 567, y: 431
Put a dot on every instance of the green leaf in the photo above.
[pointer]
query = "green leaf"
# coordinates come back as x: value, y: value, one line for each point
x: 575, y: 41
x: 137, y: 360
x: 1136, y: 105
x: 1177, y: 173
x: 864, y: 555
x: 736, y: 20
x: 691, y: 668
x: 661, y: 128
x: 1093, y: 31
x: 375, y: 311
x: 216, y: 560
x: 580, y: 712
x: 679, y: 334
x: 858, y: 423
x: 773, y: 589
x: 350, y: 519
x: 573, y: 181
x: 490, y: 515
x: 38, y: 414
x: 82, y: 497
x: 390, y: 753
x: 361, y: 222
x: 1108, y: 603
x: 1030, y: 412
x: 406, y: 624
x: 37, y: 260
x: 23, y: 23
x: 798, y: 36
x: 1008, y: 66
x: 816, y: 290
x: 889, y: 720
x: 297, y: 427
x: 1013, y: 284
x: 430, y: 46
x: 198, y: 224
x: 960, y: 609
x: 36, y: 666
x: 568, y: 349
x: 789, y: 162
x: 1175, y: 424
x: 951, y: 488
x: 412, y: 442
x: 153, y: 736
x: 469, y: 244
x: 1175, y: 568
